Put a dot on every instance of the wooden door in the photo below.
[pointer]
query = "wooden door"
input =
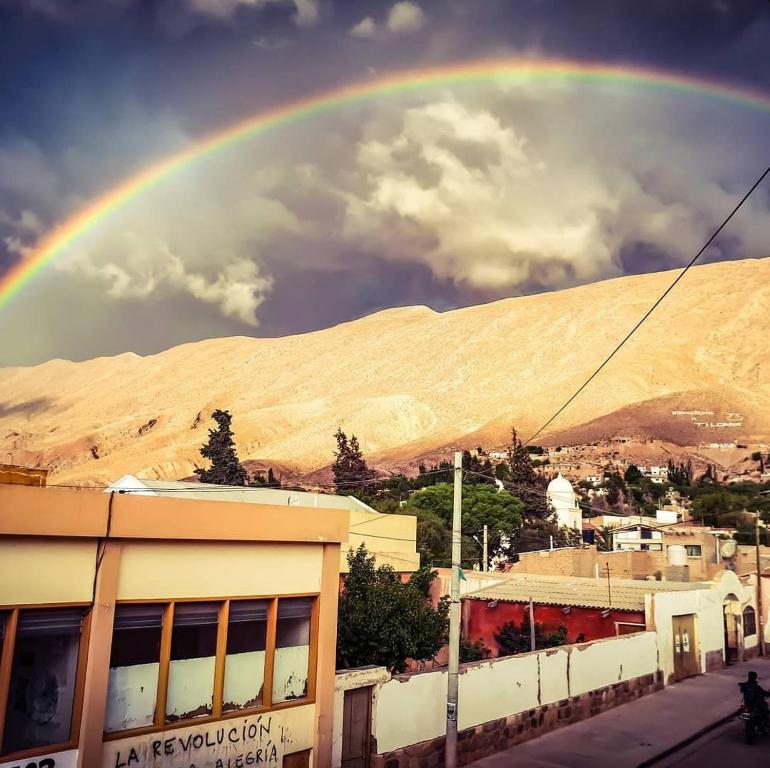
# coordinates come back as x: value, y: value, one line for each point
x: 356, y: 727
x: 685, y: 648
x: 731, y: 636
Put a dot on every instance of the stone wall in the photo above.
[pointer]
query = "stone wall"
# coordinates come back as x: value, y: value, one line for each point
x: 497, y: 735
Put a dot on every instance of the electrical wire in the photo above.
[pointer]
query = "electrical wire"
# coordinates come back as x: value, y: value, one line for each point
x: 652, y: 308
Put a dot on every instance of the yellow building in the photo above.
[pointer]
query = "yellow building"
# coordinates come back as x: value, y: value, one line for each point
x: 165, y: 632
x: 391, y: 538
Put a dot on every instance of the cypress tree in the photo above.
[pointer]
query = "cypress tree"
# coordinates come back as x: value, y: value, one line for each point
x: 351, y: 472
x: 527, y: 484
x: 220, y: 450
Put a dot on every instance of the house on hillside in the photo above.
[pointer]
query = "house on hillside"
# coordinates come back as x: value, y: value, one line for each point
x: 392, y: 539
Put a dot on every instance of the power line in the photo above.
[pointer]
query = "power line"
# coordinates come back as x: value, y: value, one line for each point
x: 652, y: 308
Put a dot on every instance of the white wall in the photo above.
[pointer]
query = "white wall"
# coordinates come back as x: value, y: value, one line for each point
x: 413, y: 709
x: 238, y: 741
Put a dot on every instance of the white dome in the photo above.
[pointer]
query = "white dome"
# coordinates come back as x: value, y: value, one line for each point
x: 560, y: 485
x: 564, y: 501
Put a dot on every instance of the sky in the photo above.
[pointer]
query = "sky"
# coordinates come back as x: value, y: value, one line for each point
x: 446, y: 196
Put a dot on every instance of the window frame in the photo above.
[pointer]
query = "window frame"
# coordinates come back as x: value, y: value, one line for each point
x: 6, y: 663
x: 159, y: 720
x: 753, y: 613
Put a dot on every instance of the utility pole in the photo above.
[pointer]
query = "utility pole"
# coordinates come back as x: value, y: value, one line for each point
x: 609, y: 587
x: 485, y: 568
x: 450, y: 749
x: 532, y: 638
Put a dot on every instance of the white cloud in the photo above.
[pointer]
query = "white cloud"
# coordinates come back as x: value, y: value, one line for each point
x: 306, y: 14
x: 405, y: 17
x: 237, y: 288
x: 305, y: 11
x: 497, y: 204
x: 365, y: 28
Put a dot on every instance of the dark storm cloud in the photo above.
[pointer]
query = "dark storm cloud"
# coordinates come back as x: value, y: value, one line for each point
x: 299, y: 232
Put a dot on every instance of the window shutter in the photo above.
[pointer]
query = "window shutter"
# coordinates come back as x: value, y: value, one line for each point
x: 138, y: 616
x: 51, y: 621
x: 248, y: 610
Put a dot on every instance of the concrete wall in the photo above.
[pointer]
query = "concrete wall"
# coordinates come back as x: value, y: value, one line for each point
x: 392, y: 538
x: 482, y: 622
x: 584, y: 561
x: 241, y: 741
x: 174, y: 570
x: 412, y: 709
x: 54, y: 571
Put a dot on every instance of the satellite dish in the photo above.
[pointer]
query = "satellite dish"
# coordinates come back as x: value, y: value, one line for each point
x: 728, y: 548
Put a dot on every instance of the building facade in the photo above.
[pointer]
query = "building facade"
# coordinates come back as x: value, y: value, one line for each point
x: 165, y: 632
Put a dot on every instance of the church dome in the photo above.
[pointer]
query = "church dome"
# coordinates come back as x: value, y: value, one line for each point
x: 560, y: 493
x: 560, y: 485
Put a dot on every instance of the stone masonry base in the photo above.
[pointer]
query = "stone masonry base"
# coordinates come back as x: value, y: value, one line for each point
x: 497, y: 735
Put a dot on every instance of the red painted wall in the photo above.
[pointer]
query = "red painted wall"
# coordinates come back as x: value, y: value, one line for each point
x: 481, y: 622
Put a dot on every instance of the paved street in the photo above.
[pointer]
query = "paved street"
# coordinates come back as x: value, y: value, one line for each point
x: 637, y: 733
x: 724, y: 746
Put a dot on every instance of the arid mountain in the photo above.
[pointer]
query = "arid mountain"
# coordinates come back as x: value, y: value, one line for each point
x: 409, y: 381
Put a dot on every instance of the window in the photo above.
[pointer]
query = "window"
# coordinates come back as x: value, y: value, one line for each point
x: 749, y: 621
x: 193, y: 661
x: 134, y: 667
x: 42, y: 681
x: 245, y: 660
x: 292, y: 649
x: 693, y: 550
x: 180, y: 661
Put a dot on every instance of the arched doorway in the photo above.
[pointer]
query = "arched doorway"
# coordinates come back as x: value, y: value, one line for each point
x: 731, y: 609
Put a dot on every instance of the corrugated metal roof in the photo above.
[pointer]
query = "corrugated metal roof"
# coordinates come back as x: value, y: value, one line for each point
x: 251, y: 495
x: 623, y: 595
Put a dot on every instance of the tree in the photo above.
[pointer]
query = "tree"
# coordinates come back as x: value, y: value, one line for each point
x: 719, y: 507
x: 632, y: 474
x: 384, y: 621
x: 475, y: 651
x: 477, y: 471
x: 513, y: 639
x: 527, y: 484
x: 680, y: 473
x: 220, y: 450
x: 352, y: 474
x: 482, y: 505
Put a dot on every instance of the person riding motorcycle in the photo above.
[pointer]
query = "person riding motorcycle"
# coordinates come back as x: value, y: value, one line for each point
x: 754, y: 696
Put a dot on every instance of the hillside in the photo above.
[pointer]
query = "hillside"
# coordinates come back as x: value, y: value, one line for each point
x: 409, y: 381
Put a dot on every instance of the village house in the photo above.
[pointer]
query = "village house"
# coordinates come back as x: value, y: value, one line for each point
x: 589, y: 608
x: 199, y: 630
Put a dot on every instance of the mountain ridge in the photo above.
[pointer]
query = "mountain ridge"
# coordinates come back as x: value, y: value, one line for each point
x: 409, y: 379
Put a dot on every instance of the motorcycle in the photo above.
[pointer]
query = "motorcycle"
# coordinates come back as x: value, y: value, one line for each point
x: 752, y: 725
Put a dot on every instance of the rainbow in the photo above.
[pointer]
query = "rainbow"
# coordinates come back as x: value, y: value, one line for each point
x: 66, y: 233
